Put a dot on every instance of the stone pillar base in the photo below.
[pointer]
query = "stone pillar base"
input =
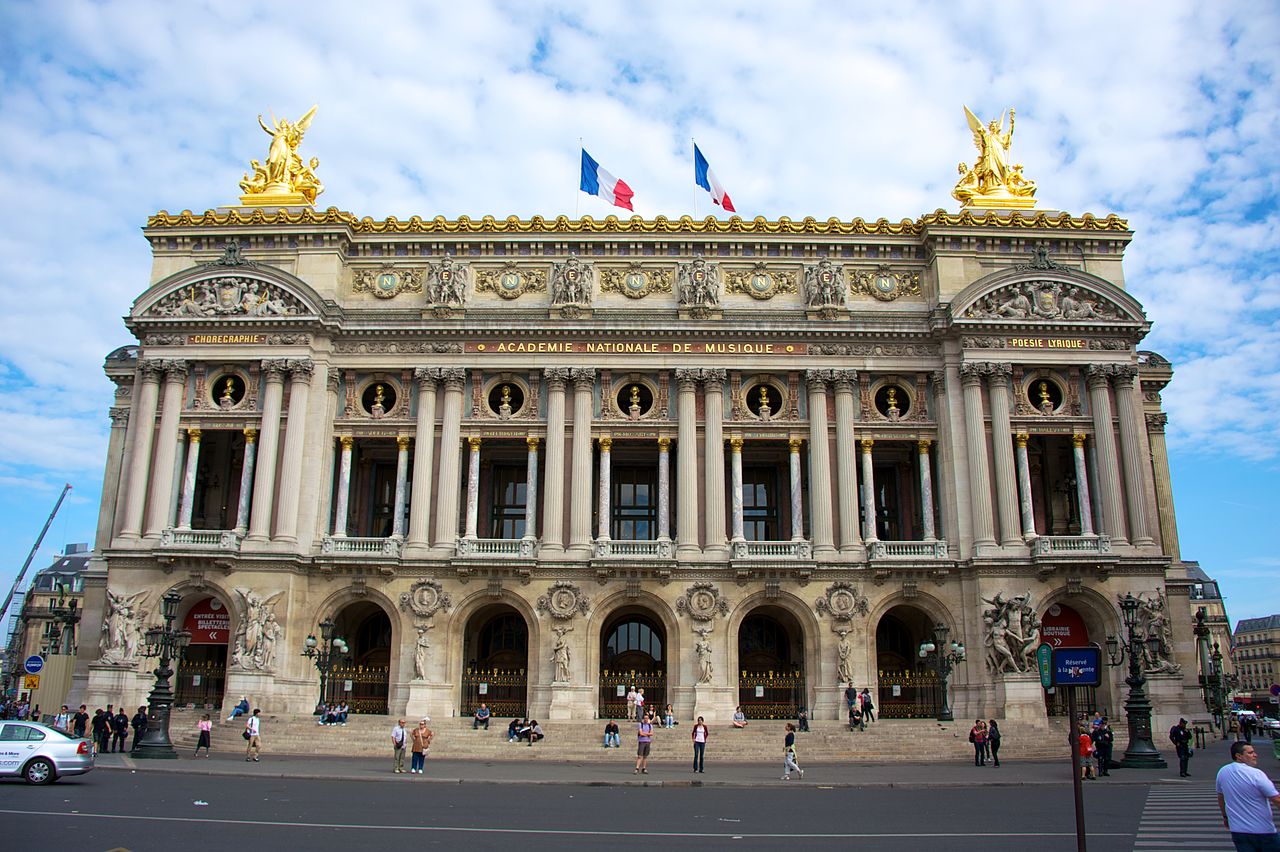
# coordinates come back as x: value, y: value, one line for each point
x: 570, y: 702
x: 122, y: 686
x: 1021, y: 697
x: 430, y: 700
x: 263, y: 693
x: 714, y: 703
x: 829, y: 703
x: 1168, y: 705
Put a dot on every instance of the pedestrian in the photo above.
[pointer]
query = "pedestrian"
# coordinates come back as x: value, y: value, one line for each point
x: 640, y: 703
x: 398, y: 736
x: 513, y: 730
x: 253, y: 733
x: 481, y: 717
x: 993, y: 741
x: 63, y: 720
x: 631, y: 703
x: 669, y: 717
x: 101, y: 731
x: 1181, y: 739
x: 1087, y: 750
x: 139, y: 724
x: 205, y: 727
x: 241, y: 708
x: 611, y: 737
x: 868, y: 707
x: 855, y: 718
x: 739, y: 718
x: 1104, y: 741
x: 420, y: 742
x: 850, y: 696
x: 80, y: 721
x: 119, y: 731
x: 644, y: 742
x: 789, y: 763
x: 1245, y: 795
x: 535, y: 732
x: 802, y: 720
x: 978, y: 736
x: 699, y: 745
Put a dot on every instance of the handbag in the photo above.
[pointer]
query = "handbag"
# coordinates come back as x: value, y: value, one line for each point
x: 245, y: 733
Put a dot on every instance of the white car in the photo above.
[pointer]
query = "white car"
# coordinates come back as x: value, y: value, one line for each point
x: 1269, y: 724
x: 41, y: 754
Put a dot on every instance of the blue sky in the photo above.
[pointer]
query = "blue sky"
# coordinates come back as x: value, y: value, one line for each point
x: 1165, y: 113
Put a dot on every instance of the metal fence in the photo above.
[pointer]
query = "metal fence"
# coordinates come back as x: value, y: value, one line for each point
x: 771, y: 695
x: 504, y: 690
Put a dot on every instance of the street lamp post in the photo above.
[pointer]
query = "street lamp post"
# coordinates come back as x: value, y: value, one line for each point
x: 1141, y: 752
x: 166, y: 644
x: 1211, y: 685
x: 942, y: 657
x: 326, y: 653
x: 63, y: 615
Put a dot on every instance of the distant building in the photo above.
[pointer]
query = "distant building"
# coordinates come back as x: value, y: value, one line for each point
x: 1204, y: 593
x: 1257, y: 659
x: 45, y: 624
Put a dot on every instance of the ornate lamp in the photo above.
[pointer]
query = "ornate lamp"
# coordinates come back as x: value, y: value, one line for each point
x: 942, y: 657
x: 166, y: 644
x: 327, y: 653
x: 1141, y: 752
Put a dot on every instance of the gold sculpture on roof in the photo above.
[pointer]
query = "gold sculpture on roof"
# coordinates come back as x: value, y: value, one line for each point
x: 993, y: 181
x: 284, y: 179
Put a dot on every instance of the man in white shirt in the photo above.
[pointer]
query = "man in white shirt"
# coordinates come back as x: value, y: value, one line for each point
x: 1245, y: 797
x: 398, y: 736
x: 253, y: 728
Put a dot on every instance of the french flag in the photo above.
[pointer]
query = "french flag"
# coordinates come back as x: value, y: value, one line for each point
x: 597, y: 181
x: 706, y: 179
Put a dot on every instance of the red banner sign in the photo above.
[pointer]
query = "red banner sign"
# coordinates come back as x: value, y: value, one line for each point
x: 209, y: 623
x: 1062, y: 627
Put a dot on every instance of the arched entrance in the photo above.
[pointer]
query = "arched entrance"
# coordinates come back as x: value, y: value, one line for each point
x: 908, y: 688
x: 1064, y: 626
x: 200, y: 680
x: 633, y: 652
x: 362, y: 680
x: 771, y: 681
x: 496, y: 648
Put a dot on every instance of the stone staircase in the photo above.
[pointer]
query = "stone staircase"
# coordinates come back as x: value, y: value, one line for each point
x: 886, y: 741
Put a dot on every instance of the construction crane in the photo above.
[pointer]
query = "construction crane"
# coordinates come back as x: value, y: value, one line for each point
x: 32, y: 555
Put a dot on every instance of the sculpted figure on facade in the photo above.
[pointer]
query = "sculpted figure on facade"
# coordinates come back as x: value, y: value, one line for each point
x: 571, y: 283
x: 560, y: 653
x: 1153, y: 622
x: 420, y: 649
x: 702, y: 648
x: 122, y: 628
x: 824, y: 285
x: 252, y: 648
x: 993, y: 178
x: 284, y: 172
x: 1012, y: 633
x: 228, y: 296
x: 1049, y: 300
x: 446, y: 282
x: 844, y: 659
x: 698, y: 284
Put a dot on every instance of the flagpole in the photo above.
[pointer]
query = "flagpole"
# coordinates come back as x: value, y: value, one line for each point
x: 579, y: 190
x: 695, y: 181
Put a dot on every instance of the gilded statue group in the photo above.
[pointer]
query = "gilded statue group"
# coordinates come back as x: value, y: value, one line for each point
x: 993, y: 178
x: 1012, y: 633
x: 284, y: 173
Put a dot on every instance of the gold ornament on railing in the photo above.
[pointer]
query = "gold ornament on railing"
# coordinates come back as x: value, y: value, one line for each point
x: 284, y: 180
x: 993, y: 181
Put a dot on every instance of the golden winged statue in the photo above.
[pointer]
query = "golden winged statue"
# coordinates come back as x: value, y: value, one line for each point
x: 284, y: 179
x: 993, y: 181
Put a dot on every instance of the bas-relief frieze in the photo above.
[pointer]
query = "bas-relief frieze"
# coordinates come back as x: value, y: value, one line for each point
x: 228, y: 296
x: 1044, y: 300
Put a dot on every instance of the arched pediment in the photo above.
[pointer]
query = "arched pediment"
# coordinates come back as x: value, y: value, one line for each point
x: 218, y: 291
x: 1028, y: 296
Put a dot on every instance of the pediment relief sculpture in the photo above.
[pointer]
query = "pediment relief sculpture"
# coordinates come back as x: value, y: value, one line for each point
x: 228, y: 296
x: 1044, y: 300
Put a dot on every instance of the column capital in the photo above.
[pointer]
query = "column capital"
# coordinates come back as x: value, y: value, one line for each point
x: 556, y: 377
x: 844, y: 380
x: 453, y: 377
x: 193, y: 435
x: 301, y: 369
x: 1096, y: 375
x: 816, y: 380
x: 584, y: 378
x: 923, y: 445
x: 606, y: 444
x: 1020, y: 439
x: 402, y: 442
x: 119, y: 415
x: 474, y: 442
x: 939, y: 380
x: 152, y: 369
x: 426, y: 377
x: 867, y: 444
x: 250, y: 436
x: 794, y: 444
x: 735, y: 443
x: 175, y: 369
x: 997, y: 371
x: 664, y: 444
x: 1124, y: 373
x: 273, y: 369
x: 1077, y: 441
x: 713, y: 378
x: 972, y: 374
x: 333, y: 382
x: 1157, y: 421
x: 347, y: 442
x: 532, y: 443
x: 688, y: 378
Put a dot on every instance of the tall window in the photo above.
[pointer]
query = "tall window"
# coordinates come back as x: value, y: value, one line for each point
x: 510, y: 494
x: 634, y: 504
x: 760, y: 503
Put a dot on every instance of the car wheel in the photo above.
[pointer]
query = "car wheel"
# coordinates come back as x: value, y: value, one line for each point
x: 39, y: 771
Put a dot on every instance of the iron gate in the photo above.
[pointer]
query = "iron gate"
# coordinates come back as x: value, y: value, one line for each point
x: 614, y: 686
x: 909, y: 694
x: 504, y: 690
x: 771, y: 695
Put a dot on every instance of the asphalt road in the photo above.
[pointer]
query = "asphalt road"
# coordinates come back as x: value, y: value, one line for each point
x: 140, y: 811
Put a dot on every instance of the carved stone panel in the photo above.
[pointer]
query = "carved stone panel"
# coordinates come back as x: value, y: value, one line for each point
x: 702, y: 602
x: 425, y: 598
x: 563, y: 601
x: 841, y: 601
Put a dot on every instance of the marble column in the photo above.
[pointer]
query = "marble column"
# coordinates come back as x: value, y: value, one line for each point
x: 869, y: 532
x: 189, y: 479
x: 797, y: 501
x: 295, y: 435
x: 1133, y: 453
x: 531, y: 489
x: 455, y: 379
x: 926, y: 490
x: 342, y: 507
x: 179, y: 473
x: 402, y: 480
x: 1083, y: 500
x: 473, y: 487
x: 819, y: 464
x: 1108, y: 465
x: 846, y: 465
x: 111, y: 476
x: 1168, y: 522
x: 947, y: 415
x: 687, y: 463
x: 584, y: 381
x: 553, y: 511
x: 713, y: 457
x: 142, y: 430
x: 423, y: 456
x: 664, y: 488
x: 976, y: 444
x: 175, y: 387
x: 246, y: 480
x: 1002, y: 455
x: 1024, y: 487
x: 264, y: 484
x: 735, y: 467
x: 603, y: 514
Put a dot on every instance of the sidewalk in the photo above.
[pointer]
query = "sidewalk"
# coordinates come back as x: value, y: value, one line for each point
x: 615, y: 769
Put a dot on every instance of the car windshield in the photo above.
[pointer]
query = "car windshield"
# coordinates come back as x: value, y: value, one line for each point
x: 49, y: 730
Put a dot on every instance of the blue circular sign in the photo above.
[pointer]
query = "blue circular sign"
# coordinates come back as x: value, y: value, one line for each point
x: 33, y: 664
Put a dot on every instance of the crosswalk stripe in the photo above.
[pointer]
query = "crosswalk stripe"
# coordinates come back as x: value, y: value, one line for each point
x: 1182, y: 818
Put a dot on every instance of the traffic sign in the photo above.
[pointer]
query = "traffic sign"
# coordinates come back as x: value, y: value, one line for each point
x: 1077, y: 666
x: 1044, y: 662
x: 1275, y: 689
x: 31, y: 682
x: 33, y: 664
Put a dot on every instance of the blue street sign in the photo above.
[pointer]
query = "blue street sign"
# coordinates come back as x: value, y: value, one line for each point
x: 33, y: 664
x: 1077, y: 666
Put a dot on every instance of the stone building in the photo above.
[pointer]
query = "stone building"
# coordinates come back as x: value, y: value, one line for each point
x: 46, y: 623
x: 731, y: 463
x: 1257, y: 659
